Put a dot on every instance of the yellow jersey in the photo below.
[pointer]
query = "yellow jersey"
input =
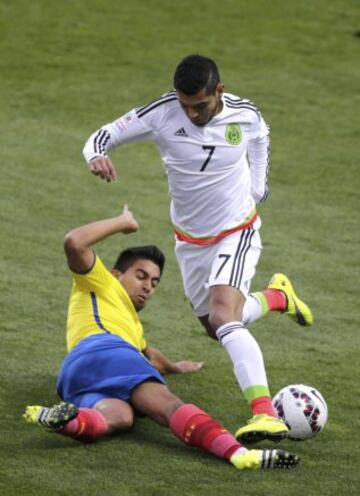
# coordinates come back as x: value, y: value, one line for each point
x: 99, y: 303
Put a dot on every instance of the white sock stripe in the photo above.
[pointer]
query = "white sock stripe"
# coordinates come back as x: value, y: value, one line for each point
x: 235, y: 322
x: 232, y: 336
x: 230, y: 328
x: 227, y: 329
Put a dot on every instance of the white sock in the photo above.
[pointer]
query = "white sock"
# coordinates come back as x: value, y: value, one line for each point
x: 252, y: 310
x: 245, y: 353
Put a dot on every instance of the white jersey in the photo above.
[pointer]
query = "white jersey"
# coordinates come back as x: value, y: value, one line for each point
x: 211, y: 185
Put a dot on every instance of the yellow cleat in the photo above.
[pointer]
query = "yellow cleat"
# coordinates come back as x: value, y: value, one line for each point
x: 262, y: 427
x: 256, y: 459
x: 31, y: 414
x: 297, y: 310
x: 53, y: 418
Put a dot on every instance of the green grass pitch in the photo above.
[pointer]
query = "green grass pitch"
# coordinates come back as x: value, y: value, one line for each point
x: 67, y: 67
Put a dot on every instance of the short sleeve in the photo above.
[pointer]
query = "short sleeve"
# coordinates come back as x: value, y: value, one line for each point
x: 96, y: 279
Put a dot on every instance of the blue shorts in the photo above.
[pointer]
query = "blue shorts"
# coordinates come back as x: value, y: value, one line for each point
x: 103, y: 366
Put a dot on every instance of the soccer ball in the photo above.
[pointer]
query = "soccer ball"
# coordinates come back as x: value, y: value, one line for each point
x: 303, y: 409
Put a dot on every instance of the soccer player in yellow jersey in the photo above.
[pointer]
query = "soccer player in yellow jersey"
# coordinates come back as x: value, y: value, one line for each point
x: 110, y: 371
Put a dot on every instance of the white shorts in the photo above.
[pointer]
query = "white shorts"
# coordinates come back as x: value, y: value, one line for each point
x: 230, y: 262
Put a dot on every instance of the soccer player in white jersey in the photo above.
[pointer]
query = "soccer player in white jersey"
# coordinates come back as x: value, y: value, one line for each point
x: 215, y: 149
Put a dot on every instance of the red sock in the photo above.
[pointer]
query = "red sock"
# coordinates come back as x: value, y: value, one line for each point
x: 89, y: 425
x: 262, y: 405
x: 275, y: 299
x: 197, y: 428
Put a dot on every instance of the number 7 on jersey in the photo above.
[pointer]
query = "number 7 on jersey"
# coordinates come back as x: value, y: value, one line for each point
x: 211, y: 151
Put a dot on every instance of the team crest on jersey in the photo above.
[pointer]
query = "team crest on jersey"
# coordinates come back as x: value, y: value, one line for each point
x: 233, y: 134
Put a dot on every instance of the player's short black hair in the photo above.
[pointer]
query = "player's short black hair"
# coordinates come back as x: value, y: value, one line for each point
x: 129, y: 256
x: 195, y: 73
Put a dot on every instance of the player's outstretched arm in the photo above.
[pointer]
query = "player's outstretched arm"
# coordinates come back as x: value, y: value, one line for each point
x: 78, y: 242
x: 166, y: 366
x: 126, y: 129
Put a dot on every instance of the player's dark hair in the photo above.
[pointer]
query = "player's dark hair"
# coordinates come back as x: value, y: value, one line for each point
x: 129, y: 256
x: 195, y: 73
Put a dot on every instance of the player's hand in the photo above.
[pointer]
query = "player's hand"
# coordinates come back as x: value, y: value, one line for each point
x: 186, y: 366
x: 128, y: 222
x: 103, y: 167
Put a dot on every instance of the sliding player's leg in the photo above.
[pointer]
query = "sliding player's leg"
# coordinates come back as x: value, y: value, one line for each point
x: 196, y: 428
x: 83, y: 423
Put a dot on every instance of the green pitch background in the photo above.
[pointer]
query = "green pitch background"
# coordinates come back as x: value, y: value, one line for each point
x: 67, y: 67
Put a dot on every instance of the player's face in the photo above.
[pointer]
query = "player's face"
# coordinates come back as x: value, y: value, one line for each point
x: 201, y: 107
x: 139, y: 281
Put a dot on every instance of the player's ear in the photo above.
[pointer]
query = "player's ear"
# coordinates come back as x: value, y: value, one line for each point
x: 220, y: 89
x: 117, y: 273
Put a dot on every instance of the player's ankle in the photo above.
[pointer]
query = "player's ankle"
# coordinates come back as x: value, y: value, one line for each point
x: 262, y: 405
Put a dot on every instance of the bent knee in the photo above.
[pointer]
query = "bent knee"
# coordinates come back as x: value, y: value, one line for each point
x: 219, y: 316
x: 118, y: 414
x: 122, y: 422
x: 222, y: 313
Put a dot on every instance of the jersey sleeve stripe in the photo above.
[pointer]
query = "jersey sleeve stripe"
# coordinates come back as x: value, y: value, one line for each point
x: 162, y: 97
x: 244, y: 106
x: 141, y: 113
x: 236, y: 101
x: 245, y: 103
x: 97, y: 137
x: 101, y: 140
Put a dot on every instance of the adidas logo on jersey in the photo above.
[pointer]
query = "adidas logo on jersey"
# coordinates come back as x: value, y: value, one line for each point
x: 181, y: 132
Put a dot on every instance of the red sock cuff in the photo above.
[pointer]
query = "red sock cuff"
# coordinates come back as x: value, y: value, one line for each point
x: 88, y: 425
